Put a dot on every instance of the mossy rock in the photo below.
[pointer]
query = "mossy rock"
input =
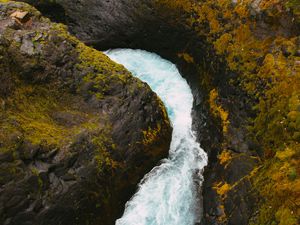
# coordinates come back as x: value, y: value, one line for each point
x: 67, y: 147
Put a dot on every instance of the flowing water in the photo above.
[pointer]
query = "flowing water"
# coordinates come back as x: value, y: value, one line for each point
x: 168, y: 195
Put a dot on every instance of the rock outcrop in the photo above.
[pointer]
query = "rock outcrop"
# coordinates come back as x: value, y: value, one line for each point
x: 77, y: 131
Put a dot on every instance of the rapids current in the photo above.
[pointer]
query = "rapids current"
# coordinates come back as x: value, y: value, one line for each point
x: 169, y: 193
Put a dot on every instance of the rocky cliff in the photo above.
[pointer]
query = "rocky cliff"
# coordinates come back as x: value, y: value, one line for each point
x: 77, y: 131
x: 241, y: 59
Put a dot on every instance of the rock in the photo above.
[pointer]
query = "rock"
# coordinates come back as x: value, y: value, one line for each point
x: 69, y: 153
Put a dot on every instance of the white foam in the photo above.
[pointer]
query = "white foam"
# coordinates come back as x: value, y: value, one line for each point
x: 168, y: 194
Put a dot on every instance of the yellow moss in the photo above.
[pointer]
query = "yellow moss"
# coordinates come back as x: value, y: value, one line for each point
x: 29, y: 114
x: 91, y: 58
x: 286, y: 216
x: 278, y: 183
x: 217, y: 110
x: 151, y: 135
x: 222, y: 189
x: 222, y: 218
x: 225, y: 157
x: 222, y: 43
x: 242, y: 10
x: 187, y: 57
x: 265, y: 4
x: 286, y: 154
x: 164, y: 111
x: 62, y: 31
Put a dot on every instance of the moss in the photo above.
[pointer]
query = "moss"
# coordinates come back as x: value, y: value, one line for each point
x: 89, y: 59
x: 294, y: 6
x: 222, y: 189
x: 285, y: 216
x: 278, y: 183
x: 151, y: 135
x: 222, y: 43
x: 286, y: 154
x: 218, y: 110
x: 29, y: 111
x: 225, y: 157
x: 186, y: 57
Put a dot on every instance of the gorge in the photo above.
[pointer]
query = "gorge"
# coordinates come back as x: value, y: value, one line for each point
x: 63, y: 132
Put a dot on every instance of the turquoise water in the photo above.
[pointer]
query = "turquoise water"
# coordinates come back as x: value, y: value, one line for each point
x: 168, y: 194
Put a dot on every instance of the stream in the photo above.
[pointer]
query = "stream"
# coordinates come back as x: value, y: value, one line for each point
x: 169, y: 193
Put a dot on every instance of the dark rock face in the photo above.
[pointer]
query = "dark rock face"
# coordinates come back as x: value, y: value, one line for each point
x: 72, y: 147
x: 139, y: 24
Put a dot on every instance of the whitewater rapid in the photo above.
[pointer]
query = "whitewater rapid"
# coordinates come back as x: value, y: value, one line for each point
x: 168, y: 195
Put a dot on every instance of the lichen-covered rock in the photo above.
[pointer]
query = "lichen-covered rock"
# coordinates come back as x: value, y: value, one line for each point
x: 72, y: 126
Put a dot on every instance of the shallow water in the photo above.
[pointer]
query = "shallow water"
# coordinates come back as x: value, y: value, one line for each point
x: 168, y: 195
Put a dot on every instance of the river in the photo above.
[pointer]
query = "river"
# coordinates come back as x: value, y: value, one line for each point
x: 169, y: 194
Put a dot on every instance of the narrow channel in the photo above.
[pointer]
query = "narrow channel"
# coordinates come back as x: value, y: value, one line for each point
x: 169, y: 194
